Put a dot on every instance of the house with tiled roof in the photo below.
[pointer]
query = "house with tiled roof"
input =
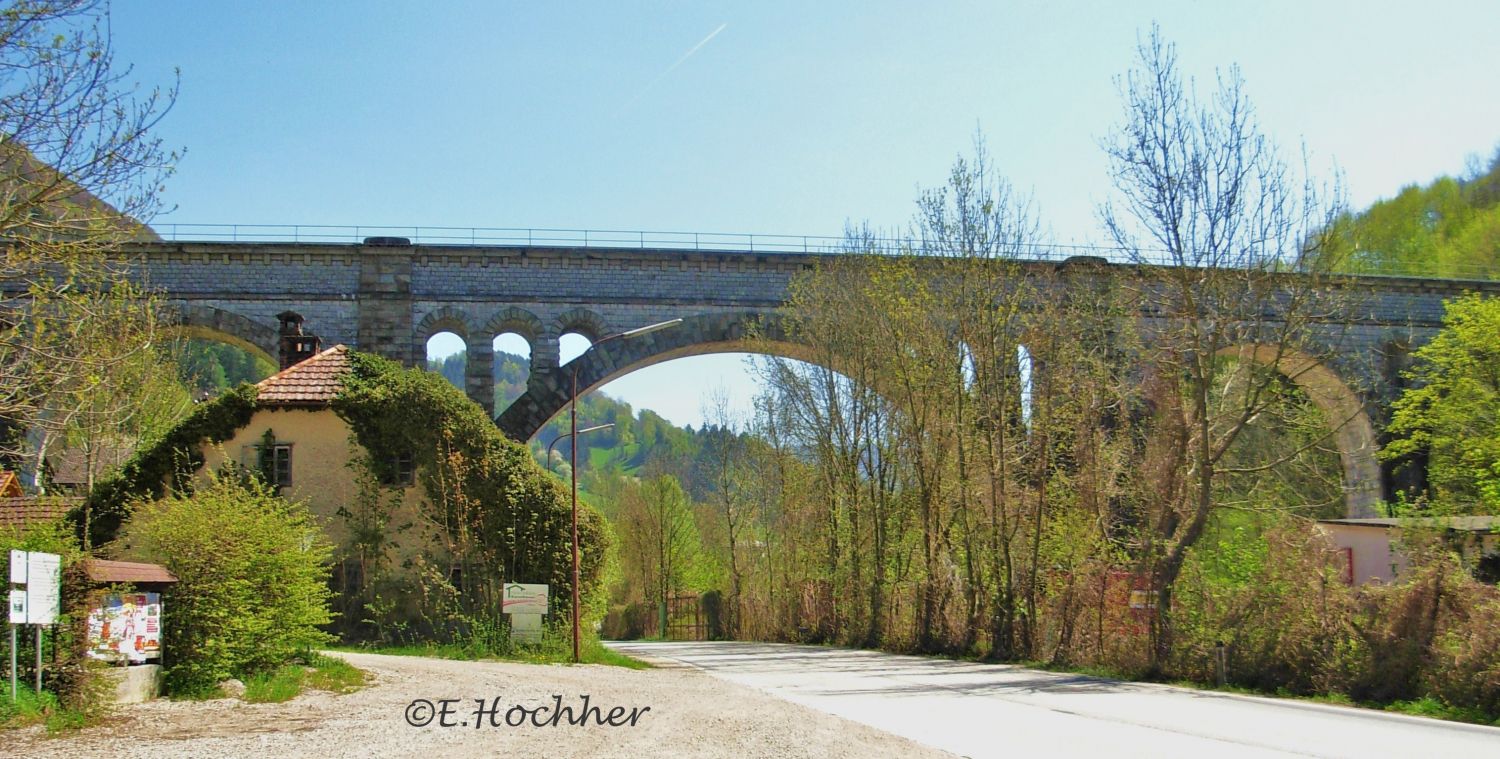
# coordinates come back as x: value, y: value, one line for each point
x: 295, y: 439
x: 21, y: 512
x: 303, y: 448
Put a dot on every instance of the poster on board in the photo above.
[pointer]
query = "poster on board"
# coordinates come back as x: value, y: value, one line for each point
x: 126, y: 627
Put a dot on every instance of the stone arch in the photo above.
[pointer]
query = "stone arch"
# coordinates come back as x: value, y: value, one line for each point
x: 1344, y: 411
x: 478, y: 356
x: 445, y: 319
x: 517, y: 320
x: 210, y: 323
x: 582, y: 321
x: 549, y: 391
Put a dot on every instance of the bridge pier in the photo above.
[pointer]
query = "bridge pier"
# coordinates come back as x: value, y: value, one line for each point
x: 545, y: 355
x: 479, y: 371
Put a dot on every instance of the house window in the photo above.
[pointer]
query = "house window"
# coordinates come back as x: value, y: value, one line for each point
x: 276, y: 464
x: 400, y: 472
x: 271, y: 459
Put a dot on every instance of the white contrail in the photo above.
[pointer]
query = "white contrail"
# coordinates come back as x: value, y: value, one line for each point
x: 671, y: 68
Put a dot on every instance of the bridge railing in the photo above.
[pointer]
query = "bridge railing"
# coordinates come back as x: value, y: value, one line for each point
x: 573, y: 238
x: 709, y: 242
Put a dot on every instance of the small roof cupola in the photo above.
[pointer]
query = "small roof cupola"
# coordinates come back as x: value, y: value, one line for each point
x: 296, y: 346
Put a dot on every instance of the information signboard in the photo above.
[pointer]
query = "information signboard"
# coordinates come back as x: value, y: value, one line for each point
x: 43, y: 588
x: 521, y: 598
x: 41, y: 573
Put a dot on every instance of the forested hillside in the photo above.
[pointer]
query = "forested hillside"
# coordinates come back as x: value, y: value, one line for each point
x: 1447, y: 228
x: 208, y: 365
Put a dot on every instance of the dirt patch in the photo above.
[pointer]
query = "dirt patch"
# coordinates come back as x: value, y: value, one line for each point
x: 691, y: 714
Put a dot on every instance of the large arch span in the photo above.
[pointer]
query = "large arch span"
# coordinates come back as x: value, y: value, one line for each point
x: 1343, y: 412
x: 210, y: 323
x: 549, y: 391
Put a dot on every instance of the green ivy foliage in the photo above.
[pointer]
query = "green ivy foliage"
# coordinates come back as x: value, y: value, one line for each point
x: 252, y: 579
x: 173, y: 459
x: 504, y: 517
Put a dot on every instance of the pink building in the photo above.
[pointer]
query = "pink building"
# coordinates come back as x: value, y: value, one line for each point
x: 1372, y: 550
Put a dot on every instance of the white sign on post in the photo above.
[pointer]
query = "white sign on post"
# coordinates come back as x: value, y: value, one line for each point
x: 41, y: 600
x: 18, y: 567
x: 520, y: 598
x: 525, y: 603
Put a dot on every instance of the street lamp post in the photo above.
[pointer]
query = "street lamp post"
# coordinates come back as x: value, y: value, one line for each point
x: 584, y: 431
x: 573, y: 452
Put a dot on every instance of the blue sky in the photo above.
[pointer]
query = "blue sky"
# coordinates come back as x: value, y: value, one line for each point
x: 765, y: 117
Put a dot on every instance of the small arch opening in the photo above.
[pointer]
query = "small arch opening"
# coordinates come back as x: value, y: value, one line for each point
x: 1024, y: 368
x: 512, y: 367
x: 966, y: 366
x: 447, y: 354
x: 572, y: 345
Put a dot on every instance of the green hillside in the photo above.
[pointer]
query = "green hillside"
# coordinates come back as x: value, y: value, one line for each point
x: 639, y: 439
x: 1447, y: 228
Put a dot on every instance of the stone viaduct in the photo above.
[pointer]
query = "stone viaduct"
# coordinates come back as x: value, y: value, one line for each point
x: 390, y: 299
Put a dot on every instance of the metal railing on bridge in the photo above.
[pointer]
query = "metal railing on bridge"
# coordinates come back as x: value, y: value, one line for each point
x: 741, y: 242
x: 583, y: 238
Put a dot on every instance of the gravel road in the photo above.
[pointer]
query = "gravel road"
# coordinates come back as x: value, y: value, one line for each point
x: 691, y: 714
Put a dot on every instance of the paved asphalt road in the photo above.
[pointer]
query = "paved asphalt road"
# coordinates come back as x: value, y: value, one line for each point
x: 987, y: 710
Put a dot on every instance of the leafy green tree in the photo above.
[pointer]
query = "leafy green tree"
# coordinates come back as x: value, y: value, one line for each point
x: 659, y: 538
x: 252, y: 571
x: 1452, y: 414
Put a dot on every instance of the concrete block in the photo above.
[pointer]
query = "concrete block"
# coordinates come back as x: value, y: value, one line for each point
x: 136, y: 683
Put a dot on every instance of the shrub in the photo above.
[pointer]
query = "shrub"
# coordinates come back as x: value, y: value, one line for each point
x: 168, y: 463
x: 252, y: 576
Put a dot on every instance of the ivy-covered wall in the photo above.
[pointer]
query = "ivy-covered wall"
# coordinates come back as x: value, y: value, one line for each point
x: 418, y: 561
x: 497, y: 516
x: 173, y: 459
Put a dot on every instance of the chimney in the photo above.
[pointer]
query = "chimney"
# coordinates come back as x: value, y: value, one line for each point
x: 296, y: 347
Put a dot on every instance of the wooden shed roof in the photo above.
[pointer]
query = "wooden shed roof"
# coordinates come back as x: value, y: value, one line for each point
x: 106, y: 571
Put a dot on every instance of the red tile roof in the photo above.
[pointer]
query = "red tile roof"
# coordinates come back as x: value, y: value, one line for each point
x: 20, y: 512
x: 313, y: 382
x: 102, y: 571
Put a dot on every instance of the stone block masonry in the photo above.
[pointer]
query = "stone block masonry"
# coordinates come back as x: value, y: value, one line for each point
x: 391, y: 300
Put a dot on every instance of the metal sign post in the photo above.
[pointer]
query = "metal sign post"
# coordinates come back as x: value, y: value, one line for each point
x: 38, y: 603
x: 17, y: 608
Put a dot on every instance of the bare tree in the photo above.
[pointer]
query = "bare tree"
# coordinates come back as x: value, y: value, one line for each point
x: 1234, y: 237
x: 80, y: 172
